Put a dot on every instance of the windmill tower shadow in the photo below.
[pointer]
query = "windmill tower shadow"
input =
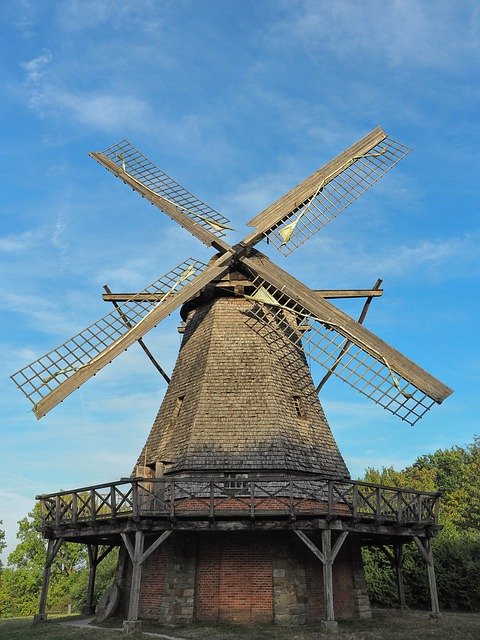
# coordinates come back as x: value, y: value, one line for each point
x: 240, y: 506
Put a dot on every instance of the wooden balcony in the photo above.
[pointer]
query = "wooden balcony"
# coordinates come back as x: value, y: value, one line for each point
x: 174, y: 502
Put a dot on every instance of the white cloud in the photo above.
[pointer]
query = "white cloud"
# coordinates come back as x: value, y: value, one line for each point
x: 35, y: 68
x: 402, y: 33
x: 438, y: 258
x: 105, y: 111
x: 19, y: 242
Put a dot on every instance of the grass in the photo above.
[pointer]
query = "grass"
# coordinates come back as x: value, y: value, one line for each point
x: 386, y: 625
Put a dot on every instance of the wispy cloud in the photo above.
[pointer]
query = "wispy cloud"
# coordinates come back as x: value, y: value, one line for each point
x: 20, y: 242
x: 36, y: 67
x: 109, y: 111
x: 403, y: 33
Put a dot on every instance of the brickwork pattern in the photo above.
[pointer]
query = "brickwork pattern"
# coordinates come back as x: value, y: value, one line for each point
x: 246, y: 577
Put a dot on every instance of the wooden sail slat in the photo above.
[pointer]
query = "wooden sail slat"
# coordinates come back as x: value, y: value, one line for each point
x: 289, y: 202
x: 216, y: 269
x: 345, y: 325
x: 173, y: 211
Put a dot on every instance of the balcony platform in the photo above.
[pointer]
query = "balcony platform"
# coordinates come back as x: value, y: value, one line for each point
x: 100, y: 514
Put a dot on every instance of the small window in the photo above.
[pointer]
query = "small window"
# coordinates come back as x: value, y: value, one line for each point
x: 235, y: 481
x: 177, y: 407
x: 298, y: 405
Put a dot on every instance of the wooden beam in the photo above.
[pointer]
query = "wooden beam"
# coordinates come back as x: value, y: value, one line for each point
x: 93, y: 563
x: 398, y: 553
x: 128, y: 545
x: 136, y: 576
x: 172, y: 211
x: 313, y: 548
x: 426, y: 551
x: 327, y: 574
x: 344, y: 349
x: 160, y: 540
x: 156, y: 315
x: 53, y: 547
x: 140, y: 340
x: 349, y: 293
x: 345, y: 325
x: 291, y: 201
x: 324, y: 293
x: 338, y: 544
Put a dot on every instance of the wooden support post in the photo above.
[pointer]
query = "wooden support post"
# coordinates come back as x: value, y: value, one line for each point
x: 138, y: 557
x: 327, y: 557
x: 89, y: 608
x: 94, y: 559
x: 425, y: 549
x: 327, y: 574
x: 136, y: 575
x: 398, y: 551
x: 53, y: 548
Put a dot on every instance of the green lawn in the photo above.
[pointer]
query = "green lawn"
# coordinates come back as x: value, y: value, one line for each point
x: 389, y: 625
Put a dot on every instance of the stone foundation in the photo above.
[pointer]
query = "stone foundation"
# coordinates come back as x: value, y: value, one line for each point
x: 250, y: 576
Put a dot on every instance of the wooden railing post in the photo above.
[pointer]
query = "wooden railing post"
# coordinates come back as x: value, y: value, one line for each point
x: 57, y: 510
x: 113, y: 501
x: 92, y: 506
x: 399, y: 506
x: 330, y: 498
x: 74, y: 507
x: 355, y: 500
x: 212, y: 500
x: 252, y: 499
x: 436, y: 508
x: 419, y: 508
x: 378, y: 507
x: 135, y: 509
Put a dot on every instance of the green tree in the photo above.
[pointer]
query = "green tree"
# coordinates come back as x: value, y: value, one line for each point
x: 456, y: 549
x: 22, y: 578
x: 3, y: 544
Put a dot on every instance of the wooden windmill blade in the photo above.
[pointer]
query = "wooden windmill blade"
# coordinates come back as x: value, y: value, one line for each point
x: 367, y: 363
x: 51, y: 378
x: 136, y: 170
x: 300, y: 213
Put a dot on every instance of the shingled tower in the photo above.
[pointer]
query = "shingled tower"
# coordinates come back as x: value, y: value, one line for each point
x: 240, y: 407
x: 240, y: 506
x: 235, y: 403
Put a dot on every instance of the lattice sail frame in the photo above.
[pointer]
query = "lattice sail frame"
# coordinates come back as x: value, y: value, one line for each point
x: 42, y: 376
x: 334, y: 348
x: 333, y: 196
x: 139, y: 167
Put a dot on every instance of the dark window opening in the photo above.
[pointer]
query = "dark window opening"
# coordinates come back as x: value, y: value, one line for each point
x: 235, y: 481
x: 298, y: 405
x: 177, y: 407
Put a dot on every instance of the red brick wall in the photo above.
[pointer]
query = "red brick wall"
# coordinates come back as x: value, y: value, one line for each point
x: 232, y: 577
x: 342, y: 576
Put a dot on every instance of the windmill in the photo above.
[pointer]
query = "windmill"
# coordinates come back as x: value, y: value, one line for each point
x: 241, y: 402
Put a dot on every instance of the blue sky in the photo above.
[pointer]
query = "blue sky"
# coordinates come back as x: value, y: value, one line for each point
x: 238, y: 101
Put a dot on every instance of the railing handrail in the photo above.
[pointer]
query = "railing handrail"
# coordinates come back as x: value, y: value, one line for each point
x: 239, y: 478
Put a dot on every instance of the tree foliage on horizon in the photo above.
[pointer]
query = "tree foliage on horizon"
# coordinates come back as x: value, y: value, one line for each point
x: 21, y: 579
x: 456, y: 549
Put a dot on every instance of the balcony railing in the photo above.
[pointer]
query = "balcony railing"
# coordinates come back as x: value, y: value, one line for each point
x: 214, y: 498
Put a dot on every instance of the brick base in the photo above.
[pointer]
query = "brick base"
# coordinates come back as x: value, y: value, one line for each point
x: 246, y: 577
